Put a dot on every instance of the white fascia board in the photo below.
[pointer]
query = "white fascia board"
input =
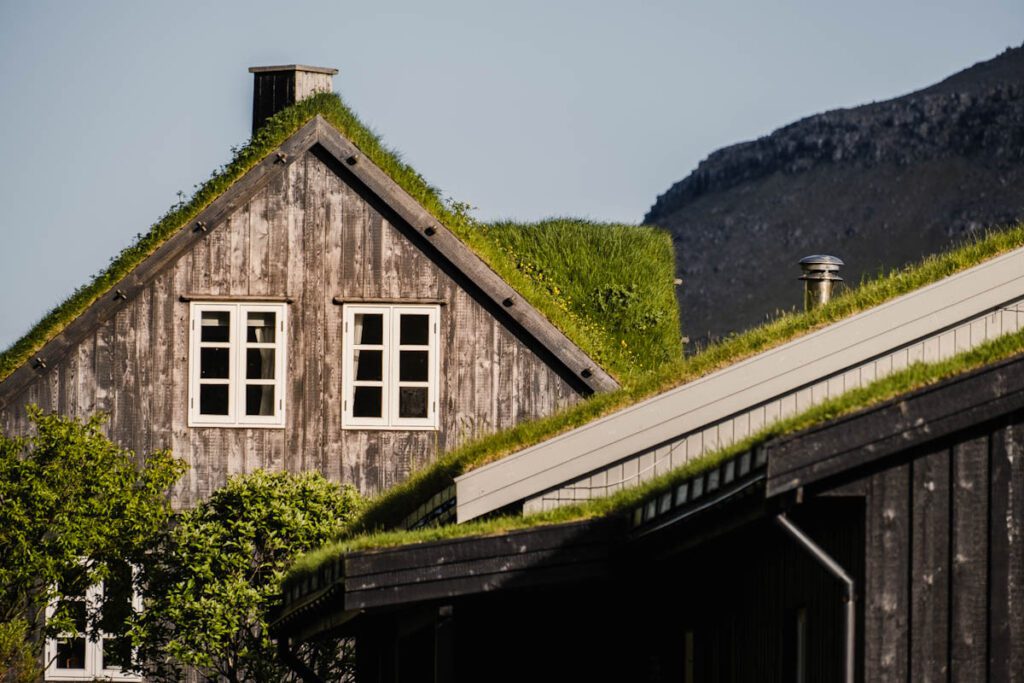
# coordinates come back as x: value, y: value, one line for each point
x: 740, y: 386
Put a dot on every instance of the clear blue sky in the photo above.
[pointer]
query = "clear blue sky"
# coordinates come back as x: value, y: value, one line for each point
x: 525, y: 109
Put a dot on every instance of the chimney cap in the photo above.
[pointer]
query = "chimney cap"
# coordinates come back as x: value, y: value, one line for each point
x: 821, y: 262
x: 294, y: 67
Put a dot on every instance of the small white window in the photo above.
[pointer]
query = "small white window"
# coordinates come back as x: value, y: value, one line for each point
x: 390, y: 371
x: 237, y: 365
x: 78, y: 656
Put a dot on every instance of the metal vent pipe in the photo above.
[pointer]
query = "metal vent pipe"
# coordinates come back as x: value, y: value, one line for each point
x: 821, y: 272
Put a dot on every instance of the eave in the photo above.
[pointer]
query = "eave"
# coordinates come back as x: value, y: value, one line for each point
x: 382, y: 579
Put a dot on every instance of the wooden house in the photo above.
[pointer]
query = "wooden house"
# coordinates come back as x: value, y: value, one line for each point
x: 311, y: 316
x: 885, y: 545
x: 310, y: 309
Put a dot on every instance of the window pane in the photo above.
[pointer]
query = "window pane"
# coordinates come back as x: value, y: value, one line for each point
x: 369, y: 365
x: 216, y: 326
x: 369, y: 328
x: 412, y: 402
x: 259, y: 399
x: 367, y: 402
x: 70, y: 653
x: 261, y: 328
x: 117, y: 653
x: 213, y: 363
x: 412, y: 366
x: 414, y: 329
x: 117, y: 599
x: 259, y: 364
x: 213, y: 399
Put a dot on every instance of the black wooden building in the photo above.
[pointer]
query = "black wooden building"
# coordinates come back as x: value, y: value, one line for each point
x: 918, y: 501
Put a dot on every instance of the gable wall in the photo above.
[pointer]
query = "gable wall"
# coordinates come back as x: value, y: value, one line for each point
x: 310, y: 236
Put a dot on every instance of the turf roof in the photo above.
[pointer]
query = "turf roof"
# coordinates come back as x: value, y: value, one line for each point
x: 607, y: 287
x: 913, y: 377
x: 390, y: 508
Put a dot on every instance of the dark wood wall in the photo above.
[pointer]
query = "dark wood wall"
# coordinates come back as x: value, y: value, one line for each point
x: 312, y: 234
x: 945, y: 561
x: 933, y: 536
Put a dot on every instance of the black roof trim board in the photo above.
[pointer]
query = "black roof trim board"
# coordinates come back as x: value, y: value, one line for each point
x: 317, y: 132
x: 447, y: 569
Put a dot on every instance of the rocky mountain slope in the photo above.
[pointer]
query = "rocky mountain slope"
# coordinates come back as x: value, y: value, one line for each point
x: 878, y: 185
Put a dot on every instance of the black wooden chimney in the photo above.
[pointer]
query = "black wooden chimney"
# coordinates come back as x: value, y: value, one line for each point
x: 276, y: 87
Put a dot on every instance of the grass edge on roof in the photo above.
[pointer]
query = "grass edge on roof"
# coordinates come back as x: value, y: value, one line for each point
x: 603, y: 348
x: 391, y: 507
x: 911, y: 378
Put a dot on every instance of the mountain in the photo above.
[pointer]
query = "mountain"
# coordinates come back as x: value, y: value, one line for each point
x: 878, y: 185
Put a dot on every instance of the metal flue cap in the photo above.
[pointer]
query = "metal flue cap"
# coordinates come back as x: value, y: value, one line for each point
x: 819, y: 262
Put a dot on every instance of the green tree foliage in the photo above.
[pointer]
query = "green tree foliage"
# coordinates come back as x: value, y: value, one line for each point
x: 211, y: 582
x: 71, y: 502
x: 18, y: 660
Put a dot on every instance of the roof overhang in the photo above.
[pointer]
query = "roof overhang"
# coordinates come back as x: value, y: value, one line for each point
x: 330, y: 599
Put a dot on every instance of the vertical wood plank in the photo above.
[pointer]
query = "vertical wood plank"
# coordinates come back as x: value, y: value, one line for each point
x: 219, y: 241
x: 161, y: 357
x: 505, y: 364
x: 238, y: 245
x: 278, y: 243
x: 970, y: 562
x: 142, y: 360
x: 335, y: 202
x: 313, y: 234
x: 929, y: 603
x: 86, y: 377
x: 886, y: 571
x: 1006, y: 592
x: 67, y: 383
x: 124, y: 428
x: 258, y: 258
x: 181, y: 437
x: 295, y: 274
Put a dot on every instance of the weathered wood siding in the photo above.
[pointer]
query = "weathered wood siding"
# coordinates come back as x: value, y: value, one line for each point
x: 944, y: 561
x: 310, y: 235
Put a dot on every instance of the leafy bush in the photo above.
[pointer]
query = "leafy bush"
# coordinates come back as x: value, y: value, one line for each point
x: 214, y: 577
x: 18, y: 661
x: 70, y: 502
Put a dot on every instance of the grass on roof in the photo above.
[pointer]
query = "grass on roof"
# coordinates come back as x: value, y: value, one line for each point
x: 570, y: 270
x: 913, y: 377
x: 391, y: 507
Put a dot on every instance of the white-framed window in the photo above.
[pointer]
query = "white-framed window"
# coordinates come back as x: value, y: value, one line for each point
x: 237, y: 364
x: 85, y: 655
x: 390, y: 373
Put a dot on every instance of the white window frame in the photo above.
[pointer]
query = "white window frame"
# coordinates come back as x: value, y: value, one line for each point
x: 236, y: 382
x: 390, y: 383
x: 93, y: 670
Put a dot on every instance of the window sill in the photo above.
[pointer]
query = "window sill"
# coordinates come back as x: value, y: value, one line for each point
x: 233, y: 425
x: 390, y: 428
